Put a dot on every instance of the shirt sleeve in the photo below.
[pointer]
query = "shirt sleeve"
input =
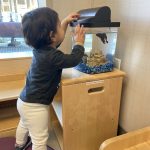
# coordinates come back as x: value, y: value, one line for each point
x: 61, y: 60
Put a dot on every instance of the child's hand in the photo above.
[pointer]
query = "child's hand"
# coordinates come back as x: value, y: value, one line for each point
x: 71, y: 17
x: 68, y: 19
x: 79, y: 35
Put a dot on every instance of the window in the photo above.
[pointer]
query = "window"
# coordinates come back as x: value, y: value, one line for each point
x: 6, y: 8
x: 22, y: 2
x: 16, y: 8
x: 11, y: 40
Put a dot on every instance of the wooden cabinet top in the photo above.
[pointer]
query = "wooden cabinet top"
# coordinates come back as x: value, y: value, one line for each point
x: 73, y: 76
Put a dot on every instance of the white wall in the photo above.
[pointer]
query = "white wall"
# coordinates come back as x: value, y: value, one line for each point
x: 133, y: 48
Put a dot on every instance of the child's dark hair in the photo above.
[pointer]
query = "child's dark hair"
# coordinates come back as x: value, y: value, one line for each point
x: 37, y: 25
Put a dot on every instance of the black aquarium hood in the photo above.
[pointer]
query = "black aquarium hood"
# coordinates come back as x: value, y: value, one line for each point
x: 95, y: 17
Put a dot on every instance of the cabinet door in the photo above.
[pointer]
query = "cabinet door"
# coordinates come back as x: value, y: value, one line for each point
x: 90, y: 113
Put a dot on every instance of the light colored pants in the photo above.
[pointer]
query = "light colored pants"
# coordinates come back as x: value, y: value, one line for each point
x: 34, y: 120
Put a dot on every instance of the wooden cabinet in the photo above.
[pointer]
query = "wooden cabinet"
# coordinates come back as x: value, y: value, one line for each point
x: 84, y: 112
x: 10, y: 88
x: 9, y: 118
x: 86, y: 109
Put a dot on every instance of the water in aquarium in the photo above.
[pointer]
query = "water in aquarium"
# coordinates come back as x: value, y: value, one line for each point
x: 100, y: 46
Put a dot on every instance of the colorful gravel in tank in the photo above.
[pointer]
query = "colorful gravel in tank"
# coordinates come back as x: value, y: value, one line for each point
x: 107, y: 67
x: 95, y: 63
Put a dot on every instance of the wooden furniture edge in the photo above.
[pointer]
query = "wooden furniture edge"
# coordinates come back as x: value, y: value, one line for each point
x: 72, y: 76
x: 133, y: 134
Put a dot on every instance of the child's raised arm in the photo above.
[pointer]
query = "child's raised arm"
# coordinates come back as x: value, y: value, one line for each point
x: 71, y: 17
x: 62, y: 60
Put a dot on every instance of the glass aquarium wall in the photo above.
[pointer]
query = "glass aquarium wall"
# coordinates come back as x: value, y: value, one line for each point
x: 100, y: 46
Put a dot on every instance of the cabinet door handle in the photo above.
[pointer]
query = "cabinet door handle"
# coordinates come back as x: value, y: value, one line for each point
x: 95, y: 86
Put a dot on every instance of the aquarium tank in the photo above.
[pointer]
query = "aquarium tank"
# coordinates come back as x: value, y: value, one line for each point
x: 100, y: 40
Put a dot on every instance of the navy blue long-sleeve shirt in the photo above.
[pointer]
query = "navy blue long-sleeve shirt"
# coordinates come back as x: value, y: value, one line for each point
x: 45, y: 72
